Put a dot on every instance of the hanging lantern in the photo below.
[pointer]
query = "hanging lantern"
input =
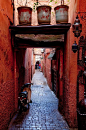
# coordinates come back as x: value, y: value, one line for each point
x: 85, y: 59
x: 74, y: 47
x: 77, y: 27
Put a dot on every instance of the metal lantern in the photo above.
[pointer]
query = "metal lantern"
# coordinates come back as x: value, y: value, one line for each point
x: 85, y: 59
x: 74, y: 47
x: 77, y: 27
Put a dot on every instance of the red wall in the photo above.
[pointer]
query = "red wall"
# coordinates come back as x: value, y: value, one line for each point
x: 28, y: 65
x: 20, y: 74
x: 47, y: 67
x: 6, y: 65
x: 24, y: 67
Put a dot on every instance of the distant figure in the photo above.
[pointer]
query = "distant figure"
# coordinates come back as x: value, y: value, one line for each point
x: 35, y: 66
x: 37, y: 63
x: 39, y: 66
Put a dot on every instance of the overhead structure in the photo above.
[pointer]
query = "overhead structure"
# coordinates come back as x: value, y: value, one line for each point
x: 57, y: 29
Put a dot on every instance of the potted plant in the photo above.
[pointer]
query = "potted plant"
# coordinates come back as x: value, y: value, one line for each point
x: 43, y: 13
x: 61, y: 12
x: 24, y: 15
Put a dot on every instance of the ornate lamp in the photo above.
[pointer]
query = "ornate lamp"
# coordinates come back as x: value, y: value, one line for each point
x: 74, y: 47
x: 77, y: 27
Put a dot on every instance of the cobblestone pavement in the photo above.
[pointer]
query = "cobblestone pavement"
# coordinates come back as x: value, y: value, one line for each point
x: 43, y: 112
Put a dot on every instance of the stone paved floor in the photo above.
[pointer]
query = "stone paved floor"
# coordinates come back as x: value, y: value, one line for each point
x: 43, y: 112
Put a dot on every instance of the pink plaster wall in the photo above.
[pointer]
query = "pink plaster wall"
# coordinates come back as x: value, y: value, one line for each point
x: 7, y: 107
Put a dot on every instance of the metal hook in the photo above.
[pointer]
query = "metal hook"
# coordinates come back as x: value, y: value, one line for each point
x: 62, y: 2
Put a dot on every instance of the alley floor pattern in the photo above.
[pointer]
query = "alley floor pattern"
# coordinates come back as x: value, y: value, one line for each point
x: 43, y: 112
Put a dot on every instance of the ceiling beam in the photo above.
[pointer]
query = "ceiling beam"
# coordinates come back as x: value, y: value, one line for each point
x: 41, y: 29
x: 24, y: 43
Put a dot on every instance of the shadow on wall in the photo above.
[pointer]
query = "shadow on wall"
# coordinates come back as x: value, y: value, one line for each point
x: 21, y: 77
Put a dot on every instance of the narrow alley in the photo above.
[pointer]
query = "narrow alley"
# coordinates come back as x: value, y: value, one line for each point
x: 49, y: 35
x: 43, y: 112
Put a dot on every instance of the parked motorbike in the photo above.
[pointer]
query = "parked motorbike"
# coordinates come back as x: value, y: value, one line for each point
x: 24, y: 97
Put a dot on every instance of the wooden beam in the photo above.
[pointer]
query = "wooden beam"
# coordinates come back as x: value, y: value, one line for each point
x: 24, y: 43
x: 41, y: 29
